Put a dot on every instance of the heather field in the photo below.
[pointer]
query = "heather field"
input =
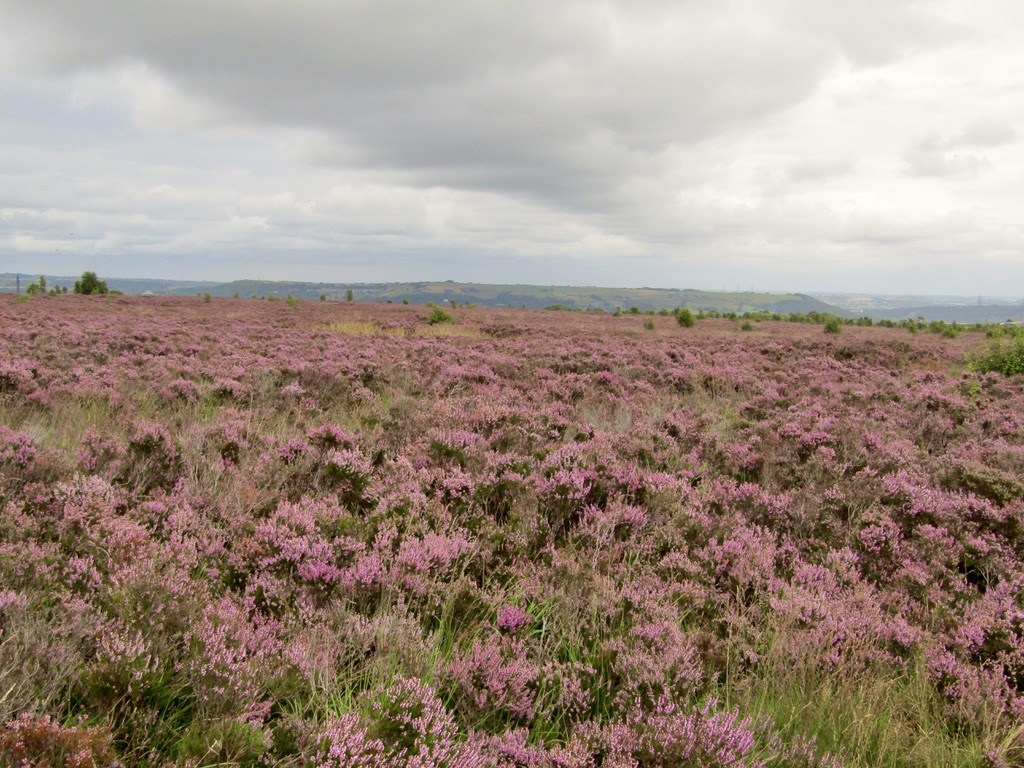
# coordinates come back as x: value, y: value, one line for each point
x: 250, y: 532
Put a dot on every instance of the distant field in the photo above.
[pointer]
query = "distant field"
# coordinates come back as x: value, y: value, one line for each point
x: 248, y: 532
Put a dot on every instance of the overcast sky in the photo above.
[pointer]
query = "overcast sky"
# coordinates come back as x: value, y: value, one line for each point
x: 797, y: 145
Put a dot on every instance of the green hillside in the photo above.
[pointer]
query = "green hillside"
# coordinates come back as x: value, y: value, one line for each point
x: 529, y: 296
x: 539, y: 296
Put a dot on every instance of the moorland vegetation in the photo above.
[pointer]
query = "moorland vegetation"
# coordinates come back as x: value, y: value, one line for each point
x: 316, y: 533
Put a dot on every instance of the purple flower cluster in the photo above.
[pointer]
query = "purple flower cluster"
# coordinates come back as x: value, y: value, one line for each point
x: 235, y: 530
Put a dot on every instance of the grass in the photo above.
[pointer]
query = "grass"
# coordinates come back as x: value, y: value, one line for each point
x: 874, y: 720
x: 358, y: 328
x: 450, y: 330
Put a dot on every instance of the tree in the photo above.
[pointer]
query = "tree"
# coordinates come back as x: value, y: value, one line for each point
x: 90, y: 285
x: 349, y: 296
x: 37, y: 288
x: 686, y: 318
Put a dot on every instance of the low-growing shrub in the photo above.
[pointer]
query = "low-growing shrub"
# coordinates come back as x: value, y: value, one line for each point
x: 438, y: 315
x: 1002, y: 357
x: 40, y: 742
x: 685, y: 318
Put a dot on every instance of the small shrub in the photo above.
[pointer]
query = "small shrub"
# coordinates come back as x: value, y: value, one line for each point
x: 685, y: 318
x: 833, y: 325
x: 222, y: 742
x: 1000, y: 357
x: 649, y: 325
x: 38, y: 288
x: 438, y: 315
x: 41, y: 742
x: 747, y: 326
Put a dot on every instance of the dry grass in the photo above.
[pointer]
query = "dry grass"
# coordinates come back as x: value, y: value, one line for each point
x: 355, y: 327
x: 443, y: 329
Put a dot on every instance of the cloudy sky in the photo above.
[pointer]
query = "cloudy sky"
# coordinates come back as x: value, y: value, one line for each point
x: 798, y: 145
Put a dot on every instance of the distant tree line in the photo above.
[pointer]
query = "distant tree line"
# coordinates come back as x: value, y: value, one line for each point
x: 87, y: 285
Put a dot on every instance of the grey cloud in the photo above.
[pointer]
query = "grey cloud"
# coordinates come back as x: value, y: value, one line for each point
x: 563, y: 102
x: 935, y: 156
x: 984, y: 133
x: 873, y: 32
x: 922, y: 161
x: 666, y: 134
x: 816, y: 169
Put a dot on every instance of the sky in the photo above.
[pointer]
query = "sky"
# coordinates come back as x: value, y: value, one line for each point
x: 769, y: 145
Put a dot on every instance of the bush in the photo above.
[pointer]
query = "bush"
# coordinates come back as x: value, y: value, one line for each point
x: 685, y: 318
x: 1000, y: 357
x: 438, y: 315
x: 90, y: 285
x: 41, y: 742
x: 833, y: 325
x: 37, y: 288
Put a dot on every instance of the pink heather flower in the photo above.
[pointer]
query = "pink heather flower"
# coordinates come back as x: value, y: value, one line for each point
x: 16, y: 448
x: 512, y: 618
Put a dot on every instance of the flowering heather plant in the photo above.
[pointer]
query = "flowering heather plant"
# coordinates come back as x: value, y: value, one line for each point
x: 549, y: 540
x: 38, y: 741
x: 512, y: 618
x: 494, y: 679
x: 407, y: 726
x: 16, y: 449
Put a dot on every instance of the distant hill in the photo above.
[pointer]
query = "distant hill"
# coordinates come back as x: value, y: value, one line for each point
x: 961, y: 309
x: 965, y: 314
x: 539, y: 296
x: 529, y: 296
x: 128, y: 285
